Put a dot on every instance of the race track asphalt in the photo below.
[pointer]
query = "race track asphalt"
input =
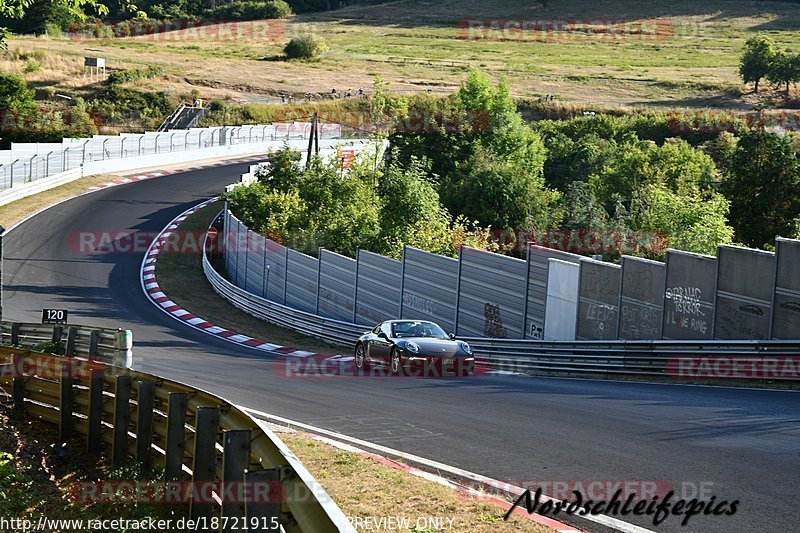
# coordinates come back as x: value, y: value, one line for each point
x: 734, y: 444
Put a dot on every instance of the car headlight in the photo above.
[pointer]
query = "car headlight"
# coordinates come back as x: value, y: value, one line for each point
x: 412, y: 347
x: 466, y: 347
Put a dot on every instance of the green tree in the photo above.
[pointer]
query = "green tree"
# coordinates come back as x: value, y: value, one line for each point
x: 14, y: 94
x: 757, y: 59
x: 16, y: 9
x: 763, y: 186
x: 692, y: 222
x: 783, y: 69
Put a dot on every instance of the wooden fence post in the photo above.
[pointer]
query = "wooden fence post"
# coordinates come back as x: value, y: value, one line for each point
x: 122, y: 421
x: 176, y: 437
x: 144, y: 422
x: 18, y: 387
x: 94, y: 436
x: 66, y: 401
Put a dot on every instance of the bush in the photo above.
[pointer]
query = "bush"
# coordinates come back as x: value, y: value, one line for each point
x: 305, y: 47
x: 14, y: 94
x: 273, y: 9
x: 134, y: 74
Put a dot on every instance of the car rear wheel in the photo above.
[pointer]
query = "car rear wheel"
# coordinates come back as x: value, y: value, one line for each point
x: 394, y: 362
x: 360, y: 357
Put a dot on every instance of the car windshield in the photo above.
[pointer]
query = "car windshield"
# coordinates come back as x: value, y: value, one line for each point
x: 417, y: 329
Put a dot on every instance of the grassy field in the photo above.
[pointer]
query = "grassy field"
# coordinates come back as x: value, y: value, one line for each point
x: 691, y: 60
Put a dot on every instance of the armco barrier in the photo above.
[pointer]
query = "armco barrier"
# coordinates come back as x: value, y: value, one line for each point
x: 596, y: 358
x: 112, y: 346
x: 178, y: 428
x: 637, y: 358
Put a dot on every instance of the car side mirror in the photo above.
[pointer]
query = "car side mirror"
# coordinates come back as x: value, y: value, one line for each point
x: 452, y: 336
x: 382, y: 335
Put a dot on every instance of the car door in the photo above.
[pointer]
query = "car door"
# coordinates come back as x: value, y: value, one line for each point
x: 381, y: 345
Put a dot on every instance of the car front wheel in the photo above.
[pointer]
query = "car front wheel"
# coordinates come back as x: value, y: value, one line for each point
x: 360, y: 357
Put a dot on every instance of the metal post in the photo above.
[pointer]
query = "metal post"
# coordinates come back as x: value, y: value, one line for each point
x: 64, y: 158
x: 84, y: 150
x: 18, y: 386
x: 122, y: 419
x: 527, y: 290
x: 319, y: 276
x: 286, y: 275
x: 66, y: 398
x: 47, y: 163
x: 141, y: 139
x: 235, y: 461
x: 155, y: 146
x: 30, y: 165
x: 144, y: 422
x: 355, y: 288
x: 122, y: 146
x: 12, y: 171
x: 458, y: 287
x: 186, y: 140
x: 200, y: 138
x: 176, y: 438
x: 402, y: 281
x: 104, y: 149
x: 264, y: 133
x: 72, y: 334
x: 94, y: 437
x: 94, y: 341
x: 171, y: 138
x: 264, y: 512
x: 204, y: 467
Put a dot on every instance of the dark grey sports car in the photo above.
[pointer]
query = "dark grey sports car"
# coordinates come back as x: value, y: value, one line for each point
x: 414, y: 347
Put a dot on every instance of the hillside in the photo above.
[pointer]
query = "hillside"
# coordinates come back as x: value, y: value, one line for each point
x: 676, y: 53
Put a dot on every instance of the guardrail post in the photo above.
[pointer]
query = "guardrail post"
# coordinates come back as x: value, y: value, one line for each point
x: 176, y: 438
x: 15, y: 334
x: 18, y: 387
x: 66, y: 399
x: 123, y: 343
x: 204, y: 467
x: 262, y: 515
x: 122, y: 420
x: 94, y: 341
x: 72, y: 334
x: 58, y: 332
x: 235, y: 461
x: 94, y: 436
x: 144, y: 422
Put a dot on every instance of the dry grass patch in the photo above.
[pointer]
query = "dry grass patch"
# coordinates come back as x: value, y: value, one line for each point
x: 363, y: 487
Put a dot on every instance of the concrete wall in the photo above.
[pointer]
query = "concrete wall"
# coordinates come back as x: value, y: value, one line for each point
x: 301, y: 281
x: 377, y: 288
x: 786, y: 308
x: 598, y: 305
x: 745, y: 286
x: 690, y: 296
x: 563, y: 278
x: 491, y: 295
x: 538, y: 260
x: 337, y: 285
x: 429, y: 287
x: 642, y: 299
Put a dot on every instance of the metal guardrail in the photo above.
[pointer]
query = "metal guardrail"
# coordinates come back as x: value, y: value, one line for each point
x: 327, y: 329
x: 165, y: 424
x: 112, y: 346
x: 631, y: 358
